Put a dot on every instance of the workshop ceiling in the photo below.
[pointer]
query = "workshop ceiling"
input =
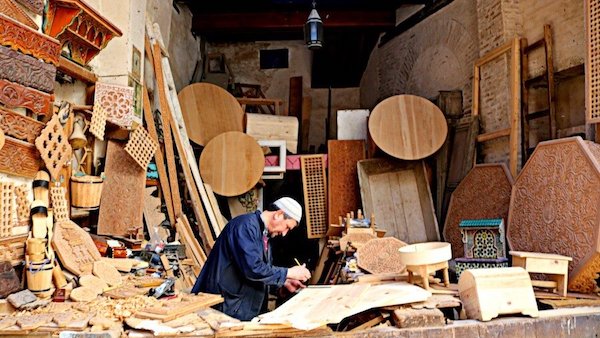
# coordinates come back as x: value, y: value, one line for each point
x: 351, y: 28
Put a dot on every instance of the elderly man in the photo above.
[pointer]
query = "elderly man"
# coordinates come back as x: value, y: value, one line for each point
x: 240, y: 267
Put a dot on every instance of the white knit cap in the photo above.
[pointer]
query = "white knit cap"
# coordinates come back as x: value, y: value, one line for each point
x: 290, y: 207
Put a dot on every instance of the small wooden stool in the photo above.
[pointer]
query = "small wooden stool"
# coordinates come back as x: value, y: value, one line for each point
x: 425, y: 270
x: 556, y: 266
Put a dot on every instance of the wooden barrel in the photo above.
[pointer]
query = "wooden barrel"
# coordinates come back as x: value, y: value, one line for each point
x: 36, y: 249
x: 86, y: 191
x: 39, y: 277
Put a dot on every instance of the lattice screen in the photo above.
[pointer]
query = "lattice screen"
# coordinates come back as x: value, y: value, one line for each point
x: 59, y: 204
x: 6, y: 209
x: 592, y: 72
x: 141, y: 147
x: 314, y: 183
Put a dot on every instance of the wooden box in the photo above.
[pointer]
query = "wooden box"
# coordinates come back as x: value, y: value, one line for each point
x: 463, y: 264
x: 487, y: 293
x: 483, y: 238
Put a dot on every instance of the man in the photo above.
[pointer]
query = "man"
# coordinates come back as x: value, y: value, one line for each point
x: 239, y: 266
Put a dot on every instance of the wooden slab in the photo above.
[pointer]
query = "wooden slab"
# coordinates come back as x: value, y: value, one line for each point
x: 554, y: 207
x: 483, y: 193
x: 270, y: 127
x: 11, y: 9
x: 12, y: 249
x: 398, y: 194
x: 36, y: 6
x: 169, y: 310
x: 232, y: 163
x: 20, y: 126
x: 28, y: 41
x: 19, y: 158
x: 314, y: 185
x: 122, y: 198
x: 26, y: 70
x: 408, y: 127
x: 75, y: 248
x: 208, y: 111
x: 343, y: 188
x: 14, y: 95
x: 381, y: 255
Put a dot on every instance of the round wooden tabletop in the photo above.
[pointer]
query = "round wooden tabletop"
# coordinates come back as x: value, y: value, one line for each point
x: 408, y: 127
x: 208, y: 111
x: 232, y: 163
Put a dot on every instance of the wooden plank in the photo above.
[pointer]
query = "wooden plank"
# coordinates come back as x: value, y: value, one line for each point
x: 165, y: 117
x: 268, y: 127
x: 550, y: 73
x: 305, y: 122
x: 592, y: 62
x: 14, y: 95
x: 26, y: 70
x: 28, y: 41
x: 158, y: 157
x: 19, y: 158
x: 343, y: 189
x: 408, y: 127
x: 76, y: 71
x: 515, y: 106
x: 493, y: 135
x: 496, y: 52
x: 20, y: 126
x: 214, y: 204
x: 314, y: 185
x: 122, y: 208
x: 398, y: 194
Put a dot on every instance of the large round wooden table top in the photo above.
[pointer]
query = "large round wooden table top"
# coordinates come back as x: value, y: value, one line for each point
x: 408, y: 127
x: 232, y: 163
x: 209, y: 110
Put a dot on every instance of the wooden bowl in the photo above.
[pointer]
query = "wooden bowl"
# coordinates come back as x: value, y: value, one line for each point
x: 425, y: 253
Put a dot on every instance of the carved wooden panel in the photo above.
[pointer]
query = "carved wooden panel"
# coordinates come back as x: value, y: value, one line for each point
x: 314, y: 183
x: 141, y: 147
x: 9, y: 8
x: 26, y: 70
x: 28, y: 41
x: 122, y: 198
x: 592, y: 74
x: 117, y: 101
x: 59, y: 204
x: 54, y: 146
x: 75, y: 248
x: 6, y: 208
x: 483, y: 193
x: 36, y: 6
x: 381, y: 255
x: 14, y: 95
x: 19, y: 158
x: 554, y: 207
x: 13, y: 249
x: 22, y: 203
x: 98, y: 123
x: 20, y: 126
x: 344, y: 192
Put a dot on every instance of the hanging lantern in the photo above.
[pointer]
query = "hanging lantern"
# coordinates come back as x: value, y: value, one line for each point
x: 313, y: 29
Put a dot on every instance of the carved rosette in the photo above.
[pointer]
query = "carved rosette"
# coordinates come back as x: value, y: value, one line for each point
x: 26, y: 70
x: 483, y: 193
x: 14, y: 95
x: 28, y: 41
x: 82, y: 30
x: 36, y: 6
x: 117, y: 101
x: 19, y: 126
x: 554, y: 207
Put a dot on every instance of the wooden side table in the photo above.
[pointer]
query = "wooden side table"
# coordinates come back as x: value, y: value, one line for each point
x: 556, y: 266
x: 425, y: 270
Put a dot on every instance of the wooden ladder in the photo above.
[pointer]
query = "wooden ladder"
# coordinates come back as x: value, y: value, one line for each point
x: 545, y: 80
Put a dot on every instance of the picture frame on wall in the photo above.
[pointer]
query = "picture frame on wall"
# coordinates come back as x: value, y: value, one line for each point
x: 136, y: 64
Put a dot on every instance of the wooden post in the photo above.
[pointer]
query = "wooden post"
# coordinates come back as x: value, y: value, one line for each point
x: 516, y: 106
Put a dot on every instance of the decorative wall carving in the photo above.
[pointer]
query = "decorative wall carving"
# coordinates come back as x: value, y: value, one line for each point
x: 54, y: 146
x: 554, y: 207
x: 80, y: 28
x: 36, y: 6
x: 26, y: 70
x: 28, y: 41
x: 483, y: 193
x: 19, y: 158
x: 11, y: 9
x: 20, y: 126
x: 14, y: 95
x: 117, y: 101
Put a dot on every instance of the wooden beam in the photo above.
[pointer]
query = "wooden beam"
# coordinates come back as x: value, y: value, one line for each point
x: 493, y: 135
x: 76, y: 71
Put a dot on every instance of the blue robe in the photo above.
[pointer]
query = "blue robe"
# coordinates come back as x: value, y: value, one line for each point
x: 239, y: 267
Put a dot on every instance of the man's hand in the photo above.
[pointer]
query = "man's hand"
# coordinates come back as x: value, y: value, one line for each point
x: 293, y: 285
x: 299, y: 272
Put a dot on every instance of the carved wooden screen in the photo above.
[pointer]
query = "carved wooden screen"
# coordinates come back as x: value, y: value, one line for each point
x: 592, y: 73
x: 314, y: 183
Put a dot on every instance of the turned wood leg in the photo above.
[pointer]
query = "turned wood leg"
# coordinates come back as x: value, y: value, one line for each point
x: 424, y: 277
x: 410, y: 277
x: 446, y: 277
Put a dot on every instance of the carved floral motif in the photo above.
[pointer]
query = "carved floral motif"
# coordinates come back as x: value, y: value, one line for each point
x: 19, y: 126
x: 28, y: 41
x: 117, y: 101
x: 11, y: 9
x: 19, y: 158
x: 36, y: 6
x: 483, y: 193
x: 26, y: 70
x: 554, y: 207
x: 14, y: 95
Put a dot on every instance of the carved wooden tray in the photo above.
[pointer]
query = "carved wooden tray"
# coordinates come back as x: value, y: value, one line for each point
x: 19, y: 126
x: 554, y: 207
x: 141, y: 147
x: 54, y: 146
x: 117, y: 101
x: 11, y: 9
x: 483, y: 193
x: 28, y: 41
x: 26, y: 70
x: 19, y: 158
x: 122, y: 198
x: 75, y: 248
x: 14, y: 95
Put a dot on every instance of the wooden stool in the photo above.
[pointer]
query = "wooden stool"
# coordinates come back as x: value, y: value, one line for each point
x: 425, y: 270
x: 556, y: 266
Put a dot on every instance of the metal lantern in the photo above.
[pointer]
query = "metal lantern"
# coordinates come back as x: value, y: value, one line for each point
x: 313, y: 30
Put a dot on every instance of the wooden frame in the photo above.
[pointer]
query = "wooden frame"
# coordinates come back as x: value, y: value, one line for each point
x: 280, y: 145
x: 514, y: 47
